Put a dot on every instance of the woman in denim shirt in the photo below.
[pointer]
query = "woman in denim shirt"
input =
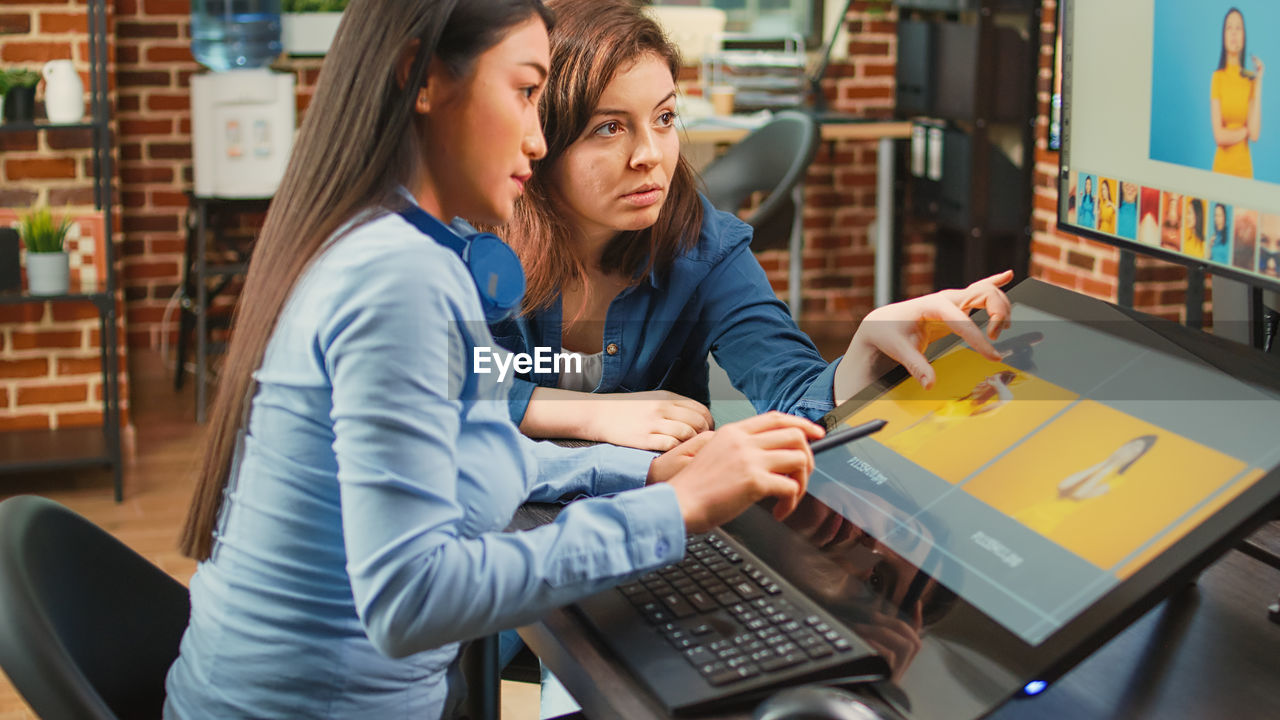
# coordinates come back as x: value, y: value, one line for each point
x: 633, y: 269
x: 358, y: 474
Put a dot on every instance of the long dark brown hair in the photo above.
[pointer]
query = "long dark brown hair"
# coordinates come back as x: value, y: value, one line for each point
x: 359, y: 143
x: 1244, y: 41
x: 591, y: 42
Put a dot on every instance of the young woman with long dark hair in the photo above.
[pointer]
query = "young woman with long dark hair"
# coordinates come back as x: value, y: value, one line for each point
x: 358, y: 472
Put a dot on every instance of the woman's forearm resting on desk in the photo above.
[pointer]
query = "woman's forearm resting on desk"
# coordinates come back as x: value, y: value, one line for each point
x: 655, y: 420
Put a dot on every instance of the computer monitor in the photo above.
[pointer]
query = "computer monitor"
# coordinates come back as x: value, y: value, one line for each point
x: 1171, y: 146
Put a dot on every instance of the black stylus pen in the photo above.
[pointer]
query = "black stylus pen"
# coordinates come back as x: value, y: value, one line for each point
x: 844, y: 435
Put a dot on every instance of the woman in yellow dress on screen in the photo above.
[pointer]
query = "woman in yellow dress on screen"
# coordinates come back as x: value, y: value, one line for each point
x: 1077, y: 489
x: 1193, y: 228
x: 1235, y: 100
x: 990, y: 394
x: 1106, y: 208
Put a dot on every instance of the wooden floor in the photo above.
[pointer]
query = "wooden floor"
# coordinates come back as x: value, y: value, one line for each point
x: 157, y: 488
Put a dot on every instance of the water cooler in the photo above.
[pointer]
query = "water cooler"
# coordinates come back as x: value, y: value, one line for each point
x: 242, y: 114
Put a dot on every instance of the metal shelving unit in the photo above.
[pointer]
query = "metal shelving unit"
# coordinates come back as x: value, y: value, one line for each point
x: 39, y: 450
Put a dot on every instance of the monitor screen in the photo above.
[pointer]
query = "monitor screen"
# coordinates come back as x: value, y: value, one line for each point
x: 1170, y: 145
x: 1006, y: 521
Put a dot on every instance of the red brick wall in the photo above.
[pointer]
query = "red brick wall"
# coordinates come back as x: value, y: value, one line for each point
x: 841, y: 191
x: 1084, y: 265
x: 155, y: 67
x: 50, y: 372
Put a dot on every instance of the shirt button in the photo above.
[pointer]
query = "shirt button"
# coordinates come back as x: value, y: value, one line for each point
x: 662, y: 547
x: 611, y: 348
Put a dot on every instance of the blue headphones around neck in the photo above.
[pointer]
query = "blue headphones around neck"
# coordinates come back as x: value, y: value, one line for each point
x: 494, y: 266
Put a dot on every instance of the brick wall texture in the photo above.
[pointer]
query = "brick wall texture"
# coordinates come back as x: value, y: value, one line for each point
x: 48, y: 360
x: 50, y: 366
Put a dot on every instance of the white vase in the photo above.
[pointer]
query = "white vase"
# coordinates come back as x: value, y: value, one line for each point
x: 308, y: 33
x: 63, y: 92
x: 48, y: 273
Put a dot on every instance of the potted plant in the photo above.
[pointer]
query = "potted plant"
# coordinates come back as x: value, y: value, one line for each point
x: 18, y: 86
x: 48, y: 272
x: 307, y: 27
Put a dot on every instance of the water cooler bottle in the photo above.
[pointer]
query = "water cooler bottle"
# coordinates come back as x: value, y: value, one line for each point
x: 242, y: 114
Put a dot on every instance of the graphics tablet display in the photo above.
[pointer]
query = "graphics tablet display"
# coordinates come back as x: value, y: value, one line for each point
x: 1010, y: 519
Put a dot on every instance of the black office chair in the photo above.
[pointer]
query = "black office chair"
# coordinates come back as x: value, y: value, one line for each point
x: 772, y: 159
x: 88, y: 628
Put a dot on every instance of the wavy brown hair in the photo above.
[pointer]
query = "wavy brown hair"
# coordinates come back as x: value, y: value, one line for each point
x: 363, y: 108
x: 592, y: 41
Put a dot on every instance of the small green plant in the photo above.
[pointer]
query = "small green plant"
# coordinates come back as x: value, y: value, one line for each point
x: 314, y: 6
x: 17, y: 78
x: 41, y: 234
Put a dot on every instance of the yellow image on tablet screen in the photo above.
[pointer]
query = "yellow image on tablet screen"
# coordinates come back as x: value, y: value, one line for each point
x: 975, y: 410
x: 1102, y: 483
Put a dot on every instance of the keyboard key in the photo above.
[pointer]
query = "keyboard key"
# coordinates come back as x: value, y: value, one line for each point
x: 786, y: 648
x: 789, y: 626
x: 738, y: 661
x: 700, y: 656
x: 700, y: 629
x: 807, y: 641
x: 812, y: 620
x: 677, y: 605
x: 701, y: 601
x: 772, y: 588
x: 711, y: 668
x: 782, y: 661
x: 756, y: 624
x: 819, y: 651
x: 733, y: 675
x: 842, y: 645
x: 631, y: 588
x: 660, y: 588
x: 746, y: 590
x: 642, y: 598
x: 726, y: 598
x: 779, y: 618
x: 729, y: 652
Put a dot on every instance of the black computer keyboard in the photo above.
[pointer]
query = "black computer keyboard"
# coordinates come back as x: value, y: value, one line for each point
x: 731, y: 620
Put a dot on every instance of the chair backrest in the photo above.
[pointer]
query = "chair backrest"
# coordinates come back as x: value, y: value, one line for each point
x: 88, y: 628
x: 772, y: 159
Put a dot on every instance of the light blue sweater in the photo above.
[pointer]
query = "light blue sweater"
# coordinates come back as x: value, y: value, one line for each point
x: 361, y: 534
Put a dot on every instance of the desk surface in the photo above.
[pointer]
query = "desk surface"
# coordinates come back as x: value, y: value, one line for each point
x: 1209, y: 651
x: 870, y: 130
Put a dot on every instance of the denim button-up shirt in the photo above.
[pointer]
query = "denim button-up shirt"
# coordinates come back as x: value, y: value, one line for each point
x: 715, y: 300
